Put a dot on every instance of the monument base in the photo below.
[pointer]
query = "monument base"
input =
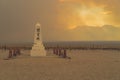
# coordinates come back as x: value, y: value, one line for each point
x: 38, y: 50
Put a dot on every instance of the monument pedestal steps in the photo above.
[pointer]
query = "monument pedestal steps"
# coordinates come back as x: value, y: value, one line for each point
x: 38, y: 50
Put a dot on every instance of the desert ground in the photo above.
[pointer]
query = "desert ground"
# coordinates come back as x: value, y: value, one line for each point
x: 83, y: 65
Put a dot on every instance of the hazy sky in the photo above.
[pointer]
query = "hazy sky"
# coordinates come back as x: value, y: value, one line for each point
x: 61, y: 20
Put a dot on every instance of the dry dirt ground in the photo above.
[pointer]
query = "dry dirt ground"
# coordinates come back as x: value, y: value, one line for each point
x: 83, y: 65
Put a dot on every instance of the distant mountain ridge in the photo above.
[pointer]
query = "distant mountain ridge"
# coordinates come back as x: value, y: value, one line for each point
x: 71, y: 44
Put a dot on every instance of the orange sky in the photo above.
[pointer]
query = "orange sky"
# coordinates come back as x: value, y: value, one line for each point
x: 61, y: 20
x: 75, y: 13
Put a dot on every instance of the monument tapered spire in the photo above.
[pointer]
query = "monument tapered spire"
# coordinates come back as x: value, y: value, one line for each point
x: 38, y: 48
x: 38, y: 33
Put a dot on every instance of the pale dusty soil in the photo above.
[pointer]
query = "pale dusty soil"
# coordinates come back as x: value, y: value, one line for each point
x: 84, y: 65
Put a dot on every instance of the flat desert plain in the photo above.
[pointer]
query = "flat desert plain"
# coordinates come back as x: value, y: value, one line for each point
x: 83, y: 65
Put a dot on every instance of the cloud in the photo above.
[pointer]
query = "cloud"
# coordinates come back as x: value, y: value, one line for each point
x: 90, y: 33
x: 86, y: 33
x: 18, y: 18
x: 59, y: 19
x: 89, y: 12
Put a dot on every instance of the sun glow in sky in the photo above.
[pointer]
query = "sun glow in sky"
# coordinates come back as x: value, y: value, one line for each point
x: 75, y: 13
x: 61, y: 20
x: 92, y: 16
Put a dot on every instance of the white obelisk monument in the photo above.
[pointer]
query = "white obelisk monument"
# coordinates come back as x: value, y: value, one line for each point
x: 38, y: 48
